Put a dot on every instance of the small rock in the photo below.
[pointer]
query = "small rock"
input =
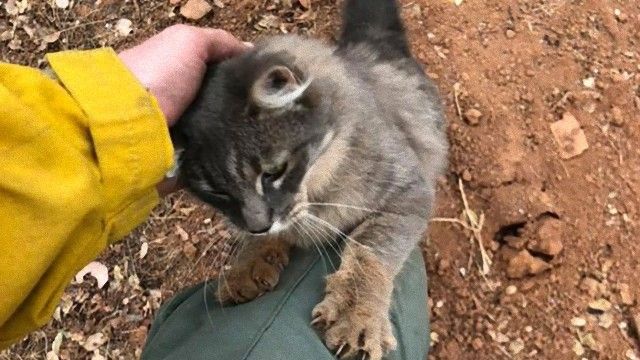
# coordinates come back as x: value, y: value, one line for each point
x: 578, y: 349
x: 605, y: 320
x: 524, y: 264
x: 550, y: 235
x: 511, y: 290
x: 569, y: 136
x: 477, y: 344
x: 510, y: 34
x: 516, y: 242
x: 466, y: 175
x: 578, y: 322
x: 516, y: 346
x: 589, y: 83
x: 473, y: 116
x: 195, y: 9
x: 591, y: 286
x: 617, y: 117
x: 600, y: 305
x: 434, y: 337
x: 626, y: 296
x: 528, y: 328
x: 590, y: 342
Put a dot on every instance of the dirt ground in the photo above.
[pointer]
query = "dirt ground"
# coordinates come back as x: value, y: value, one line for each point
x: 556, y: 275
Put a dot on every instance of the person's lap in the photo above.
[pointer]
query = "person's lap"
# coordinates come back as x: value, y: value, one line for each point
x: 193, y: 326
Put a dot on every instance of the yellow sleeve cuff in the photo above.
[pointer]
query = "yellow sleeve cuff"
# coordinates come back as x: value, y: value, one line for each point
x: 128, y: 130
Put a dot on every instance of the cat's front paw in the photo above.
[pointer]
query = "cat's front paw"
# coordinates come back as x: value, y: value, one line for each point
x: 354, y: 329
x: 254, y: 276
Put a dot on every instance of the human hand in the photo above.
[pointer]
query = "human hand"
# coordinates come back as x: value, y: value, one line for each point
x: 172, y: 63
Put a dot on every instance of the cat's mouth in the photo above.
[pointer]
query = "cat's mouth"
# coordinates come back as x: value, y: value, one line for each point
x: 287, y: 221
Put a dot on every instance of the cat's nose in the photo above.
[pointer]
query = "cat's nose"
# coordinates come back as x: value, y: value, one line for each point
x: 257, y: 218
x: 256, y: 231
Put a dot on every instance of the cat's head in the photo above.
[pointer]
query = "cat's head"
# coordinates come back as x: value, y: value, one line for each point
x: 258, y: 126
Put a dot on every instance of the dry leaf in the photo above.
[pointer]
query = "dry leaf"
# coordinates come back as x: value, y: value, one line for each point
x: 184, y: 236
x: 144, y: 249
x: 305, y: 3
x: 195, y: 9
x: 94, y: 342
x: 95, y: 269
x: 51, y: 38
x: 62, y: 4
x: 97, y: 356
x: 123, y: 26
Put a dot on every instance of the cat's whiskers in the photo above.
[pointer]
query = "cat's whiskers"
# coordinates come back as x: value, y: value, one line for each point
x: 298, y: 228
x: 341, y: 233
x: 326, y: 236
x: 347, y: 244
x: 320, y: 240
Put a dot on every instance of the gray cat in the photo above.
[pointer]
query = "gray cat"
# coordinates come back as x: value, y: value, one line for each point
x: 296, y: 138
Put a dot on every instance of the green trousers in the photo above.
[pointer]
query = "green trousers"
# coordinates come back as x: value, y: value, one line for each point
x: 193, y: 326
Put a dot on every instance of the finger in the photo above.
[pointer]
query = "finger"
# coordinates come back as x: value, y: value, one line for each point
x: 222, y: 45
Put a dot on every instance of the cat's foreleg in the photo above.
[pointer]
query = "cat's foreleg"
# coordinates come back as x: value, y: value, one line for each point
x: 354, y: 315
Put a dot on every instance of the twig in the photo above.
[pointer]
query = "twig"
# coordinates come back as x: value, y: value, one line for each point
x: 473, y: 223
x: 456, y: 89
x: 79, y: 26
x: 476, y: 226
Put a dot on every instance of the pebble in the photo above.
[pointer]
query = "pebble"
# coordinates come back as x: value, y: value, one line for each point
x: 570, y: 137
x: 617, y: 117
x: 626, y: 296
x: 516, y: 346
x: 473, y: 116
x: 578, y: 322
x: 602, y: 305
x: 516, y: 242
x: 605, y: 321
x: 466, y: 175
x: 477, y: 344
x: 511, y: 290
x: 591, y: 286
x: 589, y: 341
x: 550, y: 238
x: 528, y: 329
x: 524, y: 264
x: 578, y: 349
x: 510, y: 34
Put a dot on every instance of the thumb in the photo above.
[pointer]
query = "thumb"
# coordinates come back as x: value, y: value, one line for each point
x: 222, y: 45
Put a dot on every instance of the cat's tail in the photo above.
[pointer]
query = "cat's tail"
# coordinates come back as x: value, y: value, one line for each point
x: 376, y: 23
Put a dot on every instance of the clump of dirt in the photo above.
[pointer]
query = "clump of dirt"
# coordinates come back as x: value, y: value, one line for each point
x: 559, y: 226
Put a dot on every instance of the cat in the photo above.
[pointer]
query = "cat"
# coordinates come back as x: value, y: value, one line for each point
x: 348, y: 138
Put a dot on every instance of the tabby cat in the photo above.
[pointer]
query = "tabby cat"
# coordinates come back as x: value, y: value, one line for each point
x: 350, y: 139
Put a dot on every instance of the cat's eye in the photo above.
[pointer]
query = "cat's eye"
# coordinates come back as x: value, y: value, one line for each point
x: 274, y: 173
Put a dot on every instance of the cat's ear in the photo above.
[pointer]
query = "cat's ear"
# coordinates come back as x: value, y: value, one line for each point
x: 277, y: 88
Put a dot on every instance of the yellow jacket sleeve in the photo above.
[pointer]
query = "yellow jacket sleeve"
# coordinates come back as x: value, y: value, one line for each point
x: 79, y: 161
